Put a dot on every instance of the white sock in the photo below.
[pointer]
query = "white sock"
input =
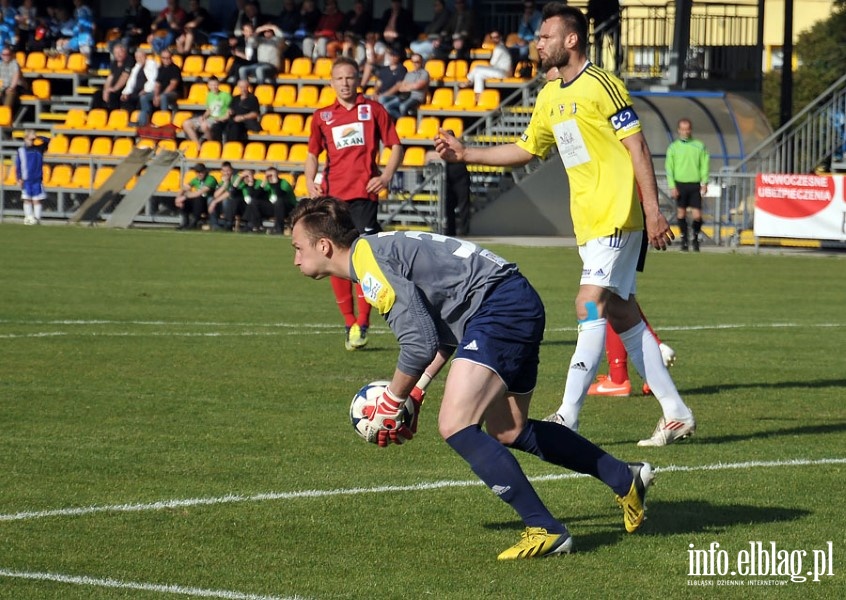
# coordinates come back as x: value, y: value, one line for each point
x: 646, y: 357
x: 27, y: 209
x: 590, y: 348
x: 37, y: 208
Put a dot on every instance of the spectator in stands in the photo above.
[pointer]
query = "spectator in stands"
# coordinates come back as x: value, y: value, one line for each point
x: 11, y: 80
x: 327, y: 34
x: 167, y: 88
x: 78, y: 32
x: 222, y: 193
x: 309, y: 16
x: 276, y: 201
x: 376, y: 56
x: 289, y: 18
x: 353, y: 47
x: 435, y: 32
x: 196, y: 30
x: 245, y: 189
x: 461, y: 36
x: 243, y: 114
x: 237, y: 19
x: 457, y: 194
x: 359, y: 19
x: 210, y: 123
x: 398, y: 27
x: 241, y: 54
x: 499, y: 68
x: 192, y: 201
x: 267, y: 46
x: 141, y: 80
x: 389, y: 78
x: 26, y: 21
x: 411, y: 92
x: 524, y: 47
x: 168, y: 24
x: 137, y: 21
x: 29, y: 161
x: 119, y: 69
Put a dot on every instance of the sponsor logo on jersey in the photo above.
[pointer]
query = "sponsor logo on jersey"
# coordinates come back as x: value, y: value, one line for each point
x: 326, y: 116
x: 625, y: 119
x: 371, y: 288
x: 348, y: 135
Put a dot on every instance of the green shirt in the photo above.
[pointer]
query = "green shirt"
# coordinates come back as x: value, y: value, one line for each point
x: 279, y: 190
x: 208, y: 181
x: 218, y: 104
x: 687, y: 162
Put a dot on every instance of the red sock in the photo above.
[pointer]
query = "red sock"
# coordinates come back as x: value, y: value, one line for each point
x: 618, y: 367
x: 363, y: 308
x: 343, y: 295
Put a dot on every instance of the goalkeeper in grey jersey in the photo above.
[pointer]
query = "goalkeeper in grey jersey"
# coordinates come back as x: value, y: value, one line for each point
x: 443, y: 296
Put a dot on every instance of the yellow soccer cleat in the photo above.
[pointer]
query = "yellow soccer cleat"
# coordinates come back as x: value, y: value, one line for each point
x: 536, y: 542
x: 634, y: 503
x: 356, y: 337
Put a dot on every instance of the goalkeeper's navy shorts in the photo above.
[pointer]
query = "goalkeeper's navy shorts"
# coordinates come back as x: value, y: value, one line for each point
x: 505, y: 334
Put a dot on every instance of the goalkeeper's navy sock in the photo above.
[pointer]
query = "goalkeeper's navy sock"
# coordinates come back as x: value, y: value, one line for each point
x: 501, y: 472
x: 564, y: 447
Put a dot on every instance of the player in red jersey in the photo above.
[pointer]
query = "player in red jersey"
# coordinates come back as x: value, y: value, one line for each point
x: 350, y: 131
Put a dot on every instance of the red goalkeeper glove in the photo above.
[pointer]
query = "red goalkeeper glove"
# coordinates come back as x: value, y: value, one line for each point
x: 386, y: 424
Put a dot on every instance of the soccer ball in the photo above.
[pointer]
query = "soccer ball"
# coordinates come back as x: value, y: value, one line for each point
x: 364, y: 403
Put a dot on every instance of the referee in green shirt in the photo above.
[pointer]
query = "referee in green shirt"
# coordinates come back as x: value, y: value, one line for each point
x: 687, y: 166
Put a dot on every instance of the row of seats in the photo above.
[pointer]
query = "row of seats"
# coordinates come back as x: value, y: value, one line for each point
x: 36, y: 62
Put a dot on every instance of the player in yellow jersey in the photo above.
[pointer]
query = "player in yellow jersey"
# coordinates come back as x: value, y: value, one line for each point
x: 588, y: 114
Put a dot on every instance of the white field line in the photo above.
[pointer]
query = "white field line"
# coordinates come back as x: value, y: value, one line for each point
x: 300, y: 328
x: 135, y: 585
x: 433, y: 485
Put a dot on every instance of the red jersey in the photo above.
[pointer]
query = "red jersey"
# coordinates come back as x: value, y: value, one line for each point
x: 351, y: 140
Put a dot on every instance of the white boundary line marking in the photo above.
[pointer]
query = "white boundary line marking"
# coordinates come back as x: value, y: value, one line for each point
x: 134, y: 585
x: 434, y: 485
x: 312, y: 328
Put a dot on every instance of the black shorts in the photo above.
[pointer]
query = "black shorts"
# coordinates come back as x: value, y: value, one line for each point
x: 689, y: 195
x: 364, y: 216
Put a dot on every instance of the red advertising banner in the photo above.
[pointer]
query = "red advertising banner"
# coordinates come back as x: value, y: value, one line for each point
x: 800, y: 206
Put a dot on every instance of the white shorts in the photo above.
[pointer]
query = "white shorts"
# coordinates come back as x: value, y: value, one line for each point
x: 611, y: 262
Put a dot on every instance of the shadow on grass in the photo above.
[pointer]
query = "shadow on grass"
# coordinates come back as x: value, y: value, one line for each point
x: 672, y: 518
x: 702, y: 438
x: 763, y: 385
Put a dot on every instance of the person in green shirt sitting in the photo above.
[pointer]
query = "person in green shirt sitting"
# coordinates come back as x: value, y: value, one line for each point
x: 245, y: 190
x: 194, y: 197
x: 277, y: 202
x: 210, y: 123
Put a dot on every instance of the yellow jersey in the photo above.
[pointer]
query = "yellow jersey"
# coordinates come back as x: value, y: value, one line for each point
x: 586, y: 119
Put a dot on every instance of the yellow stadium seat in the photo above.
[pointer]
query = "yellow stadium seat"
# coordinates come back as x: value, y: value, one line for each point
x: 60, y: 176
x: 193, y: 65
x: 56, y: 63
x: 171, y: 182
x: 322, y: 68
x: 415, y: 156
x: 103, y: 173
x: 300, y: 187
x: 442, y: 99
x: 478, y: 63
x: 254, y: 151
x: 286, y: 95
x: 209, y: 150
x: 406, y: 127
x: 297, y: 153
x: 307, y: 96
x: 232, y: 150
x: 456, y: 71
x: 5, y: 116
x: 101, y: 146
x: 277, y: 152
x: 454, y: 124
x: 58, y: 144
x: 77, y: 63
x: 82, y: 178
x: 146, y: 143
x: 300, y: 67
x: 97, y: 118
x: 35, y: 61
x: 264, y: 93
x: 307, y: 126
x: 166, y: 145
x: 180, y: 116
x: 74, y: 119
x: 189, y: 149
x: 289, y: 177
x: 384, y: 156
x: 118, y: 120
x: 40, y: 88
x: 327, y: 96
x: 122, y: 146
x: 488, y: 100
x: 427, y: 128
x: 197, y: 93
x: 292, y: 124
x: 215, y: 66
x: 271, y: 123
x: 436, y: 69
x: 160, y: 117
x: 465, y: 99
x: 80, y: 145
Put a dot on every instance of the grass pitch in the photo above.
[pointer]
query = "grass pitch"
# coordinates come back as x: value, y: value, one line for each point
x: 173, y: 423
